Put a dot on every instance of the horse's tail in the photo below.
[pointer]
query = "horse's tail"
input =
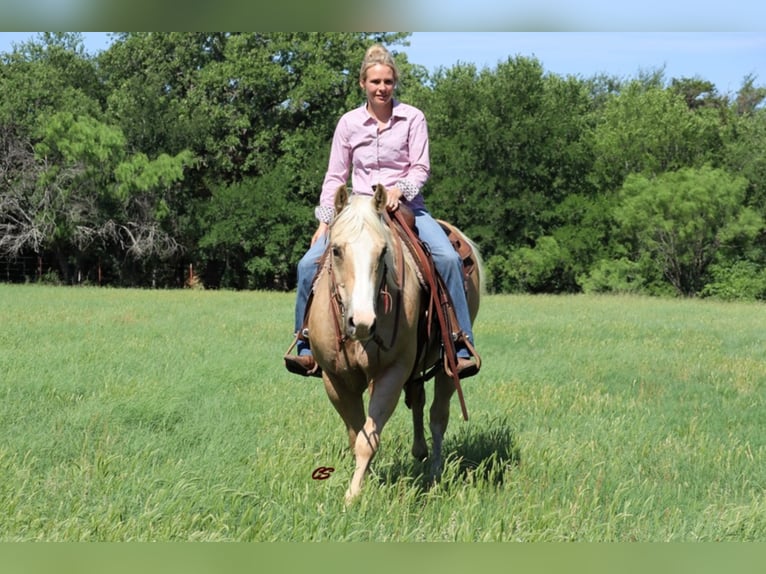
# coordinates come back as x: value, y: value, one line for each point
x: 478, y: 261
x: 469, y: 252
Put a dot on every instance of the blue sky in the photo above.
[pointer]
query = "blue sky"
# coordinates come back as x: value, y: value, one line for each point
x: 724, y: 58
x: 585, y: 15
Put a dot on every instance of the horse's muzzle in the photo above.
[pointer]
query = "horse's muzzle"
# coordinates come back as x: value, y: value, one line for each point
x: 362, y: 331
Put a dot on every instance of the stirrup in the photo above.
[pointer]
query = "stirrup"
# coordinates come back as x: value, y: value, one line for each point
x: 468, y: 370
x: 295, y: 365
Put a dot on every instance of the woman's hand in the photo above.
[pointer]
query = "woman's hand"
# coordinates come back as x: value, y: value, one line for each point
x: 321, y: 230
x: 394, y: 197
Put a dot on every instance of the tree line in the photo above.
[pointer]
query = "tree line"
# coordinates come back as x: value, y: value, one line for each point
x: 197, y: 158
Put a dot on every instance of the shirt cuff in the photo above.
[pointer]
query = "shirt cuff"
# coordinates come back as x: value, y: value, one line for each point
x: 324, y: 214
x: 409, y: 190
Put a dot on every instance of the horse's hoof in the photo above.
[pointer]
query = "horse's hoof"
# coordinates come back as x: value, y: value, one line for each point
x: 350, y: 498
x: 420, y: 454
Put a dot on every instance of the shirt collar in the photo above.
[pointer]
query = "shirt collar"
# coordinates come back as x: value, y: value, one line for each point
x: 397, y: 112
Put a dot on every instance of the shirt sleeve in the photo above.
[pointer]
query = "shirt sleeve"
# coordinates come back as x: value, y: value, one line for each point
x: 420, y: 163
x: 337, y: 171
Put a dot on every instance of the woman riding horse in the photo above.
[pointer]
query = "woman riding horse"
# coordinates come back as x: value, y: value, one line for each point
x: 382, y: 142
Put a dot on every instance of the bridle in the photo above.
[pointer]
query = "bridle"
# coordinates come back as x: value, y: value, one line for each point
x: 392, y: 303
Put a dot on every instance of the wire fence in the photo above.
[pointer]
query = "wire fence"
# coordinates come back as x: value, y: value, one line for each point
x: 22, y: 269
x: 46, y: 269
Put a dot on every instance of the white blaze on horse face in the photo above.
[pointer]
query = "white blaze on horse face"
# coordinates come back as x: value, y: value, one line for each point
x: 364, y: 257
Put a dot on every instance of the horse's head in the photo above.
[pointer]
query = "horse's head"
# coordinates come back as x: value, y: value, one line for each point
x: 359, y: 243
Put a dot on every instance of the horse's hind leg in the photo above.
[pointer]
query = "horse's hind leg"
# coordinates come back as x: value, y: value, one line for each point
x: 439, y: 419
x: 416, y: 400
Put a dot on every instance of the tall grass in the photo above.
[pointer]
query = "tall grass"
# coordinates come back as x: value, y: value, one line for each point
x: 168, y: 415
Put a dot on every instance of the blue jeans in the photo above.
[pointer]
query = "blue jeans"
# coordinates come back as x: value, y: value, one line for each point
x: 307, y: 268
x: 446, y: 260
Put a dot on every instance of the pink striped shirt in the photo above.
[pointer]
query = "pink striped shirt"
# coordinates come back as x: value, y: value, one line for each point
x: 397, y: 155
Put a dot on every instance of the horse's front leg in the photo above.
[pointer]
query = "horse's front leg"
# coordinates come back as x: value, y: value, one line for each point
x: 349, y: 405
x: 384, y: 395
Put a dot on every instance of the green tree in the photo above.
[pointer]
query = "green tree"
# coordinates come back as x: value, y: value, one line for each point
x: 746, y: 153
x: 507, y: 146
x: 145, y: 189
x: 739, y: 271
x: 676, y: 224
x: 82, y: 192
x: 49, y: 74
x: 650, y: 130
x: 45, y: 204
x: 233, y: 99
x: 55, y: 204
x: 483, y: 131
x: 251, y: 238
x: 697, y: 93
x: 749, y: 96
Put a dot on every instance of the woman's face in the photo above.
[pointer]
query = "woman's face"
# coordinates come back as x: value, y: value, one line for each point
x: 379, y: 84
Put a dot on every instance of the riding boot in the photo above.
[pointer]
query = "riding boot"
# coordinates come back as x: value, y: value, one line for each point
x: 303, y: 362
x: 303, y: 365
x: 466, y: 363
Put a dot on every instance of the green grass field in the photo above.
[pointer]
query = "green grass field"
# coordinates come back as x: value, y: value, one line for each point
x: 168, y: 415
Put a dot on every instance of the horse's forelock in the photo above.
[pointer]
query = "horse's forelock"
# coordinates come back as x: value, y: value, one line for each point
x: 358, y: 215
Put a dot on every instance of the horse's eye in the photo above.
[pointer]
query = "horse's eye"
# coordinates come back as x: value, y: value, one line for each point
x: 336, y: 252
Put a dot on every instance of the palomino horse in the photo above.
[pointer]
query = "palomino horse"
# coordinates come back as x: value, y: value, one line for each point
x: 364, y: 324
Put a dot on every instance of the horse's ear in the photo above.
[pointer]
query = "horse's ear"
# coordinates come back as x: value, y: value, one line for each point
x: 380, y: 198
x: 341, y: 198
